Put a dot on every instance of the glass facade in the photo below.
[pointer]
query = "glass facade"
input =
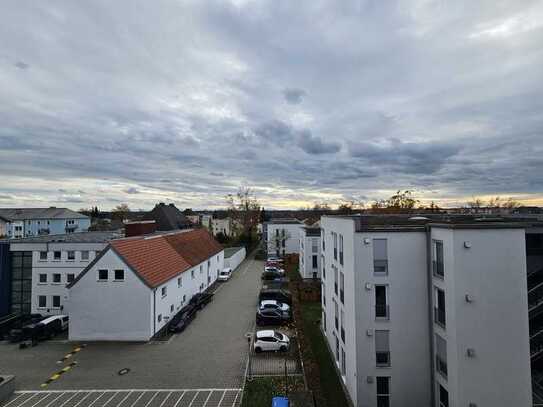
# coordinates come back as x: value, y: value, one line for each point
x: 21, y: 282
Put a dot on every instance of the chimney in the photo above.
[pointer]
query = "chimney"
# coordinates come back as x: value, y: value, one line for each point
x: 144, y: 227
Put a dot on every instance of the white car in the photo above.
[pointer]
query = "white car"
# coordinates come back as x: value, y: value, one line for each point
x: 274, y: 269
x: 225, y: 274
x: 274, y: 304
x: 270, y: 340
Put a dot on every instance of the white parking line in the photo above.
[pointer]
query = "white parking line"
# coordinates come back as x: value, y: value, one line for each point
x: 95, y: 400
x: 40, y: 400
x: 125, y: 397
x: 194, y: 398
x: 138, y: 399
x: 15, y: 399
x: 166, y: 398
x: 70, y: 399
x: 179, y: 399
x: 208, y: 397
x: 84, y: 398
x: 55, y: 399
x: 222, y: 397
x: 235, y: 400
x: 152, y: 398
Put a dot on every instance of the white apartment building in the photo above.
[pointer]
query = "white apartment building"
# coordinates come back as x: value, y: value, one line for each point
x: 283, y: 236
x: 421, y: 312
x: 310, y: 252
x: 130, y: 292
x: 41, y: 267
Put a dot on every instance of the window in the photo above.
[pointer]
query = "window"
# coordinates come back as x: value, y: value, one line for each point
x: 443, y: 397
x: 441, y: 355
x: 315, y: 261
x: 381, y: 306
x: 102, y: 275
x: 341, y: 249
x: 184, y: 298
x: 323, y: 268
x: 315, y: 245
x: 71, y: 255
x: 56, y: 255
x: 439, y: 309
x: 323, y: 240
x: 84, y: 255
x: 337, y: 348
x: 314, y: 274
x: 42, y: 301
x: 342, y: 328
x: 343, y: 364
x: 159, y: 318
x: 336, y: 315
x: 382, y: 348
x: 334, y: 237
x: 179, y: 282
x: 171, y: 308
x: 43, y: 255
x: 201, y: 269
x: 335, y: 280
x: 437, y: 258
x: 119, y: 275
x: 342, y: 288
x: 323, y: 290
x: 383, y: 391
x: 56, y: 301
x: 192, y: 274
x: 43, y: 278
x: 56, y: 278
x: 380, y: 257
x: 164, y: 291
x: 70, y: 277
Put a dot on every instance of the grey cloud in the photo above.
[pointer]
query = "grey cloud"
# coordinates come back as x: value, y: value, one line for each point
x: 315, y: 145
x: 294, y: 96
x: 21, y: 65
x: 132, y: 190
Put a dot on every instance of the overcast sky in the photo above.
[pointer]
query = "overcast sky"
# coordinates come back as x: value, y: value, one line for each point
x: 103, y: 102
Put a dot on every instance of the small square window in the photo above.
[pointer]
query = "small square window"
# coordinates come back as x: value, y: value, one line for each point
x: 171, y: 308
x: 179, y: 282
x: 56, y: 301
x: 119, y: 275
x: 70, y: 277
x: 192, y: 274
x: 56, y: 255
x: 164, y: 291
x: 56, y: 278
x: 102, y: 275
x: 71, y: 255
x: 42, y: 301
x: 43, y: 255
x: 43, y: 278
x: 85, y: 255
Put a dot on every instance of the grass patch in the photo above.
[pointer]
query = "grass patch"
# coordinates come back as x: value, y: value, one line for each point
x: 330, y: 384
x: 260, y: 391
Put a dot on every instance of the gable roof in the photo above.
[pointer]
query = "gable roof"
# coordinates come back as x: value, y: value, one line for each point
x: 13, y: 214
x: 159, y: 258
x: 167, y: 217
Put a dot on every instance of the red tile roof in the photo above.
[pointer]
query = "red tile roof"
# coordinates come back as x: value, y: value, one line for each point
x: 158, y: 259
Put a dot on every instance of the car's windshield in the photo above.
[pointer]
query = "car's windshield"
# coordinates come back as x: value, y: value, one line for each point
x: 278, y: 335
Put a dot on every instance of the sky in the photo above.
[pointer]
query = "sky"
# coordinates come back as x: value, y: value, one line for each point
x: 136, y: 102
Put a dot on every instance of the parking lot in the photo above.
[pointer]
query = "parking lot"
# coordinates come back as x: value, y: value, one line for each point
x: 210, y: 354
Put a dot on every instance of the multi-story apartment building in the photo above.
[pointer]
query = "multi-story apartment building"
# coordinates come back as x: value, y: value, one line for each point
x: 427, y: 312
x: 26, y: 222
x: 36, y: 270
x: 310, y: 252
x: 283, y: 236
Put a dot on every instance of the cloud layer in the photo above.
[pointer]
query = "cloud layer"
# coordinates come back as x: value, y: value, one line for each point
x: 108, y: 102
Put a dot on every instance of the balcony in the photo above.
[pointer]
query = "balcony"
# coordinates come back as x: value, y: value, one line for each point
x: 382, y: 311
x: 439, y: 317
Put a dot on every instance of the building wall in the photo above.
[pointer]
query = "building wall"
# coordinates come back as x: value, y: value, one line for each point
x: 494, y: 323
x: 292, y: 240
x: 222, y: 225
x: 112, y: 310
x: 236, y: 259
x: 5, y: 279
x: 35, y: 227
x: 306, y: 255
x: 3, y: 228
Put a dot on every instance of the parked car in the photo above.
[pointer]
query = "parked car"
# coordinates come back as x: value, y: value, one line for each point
x: 275, y: 294
x: 225, y: 274
x: 274, y: 270
x: 200, y: 300
x: 270, y: 340
x: 269, y: 316
x: 182, y: 319
x: 15, y: 322
x: 274, y: 304
x: 47, y: 328
x: 272, y: 276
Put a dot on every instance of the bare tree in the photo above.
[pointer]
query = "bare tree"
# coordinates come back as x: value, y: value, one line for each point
x: 401, y: 201
x: 244, y: 210
x: 120, y: 212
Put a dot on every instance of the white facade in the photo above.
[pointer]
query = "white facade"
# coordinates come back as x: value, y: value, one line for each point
x: 224, y: 226
x: 310, y: 253
x: 283, y: 238
x: 235, y: 259
x: 385, y: 329
x: 129, y: 309
x: 54, y: 265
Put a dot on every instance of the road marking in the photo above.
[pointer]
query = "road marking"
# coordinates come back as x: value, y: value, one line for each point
x: 125, y: 397
x: 95, y: 400
x: 152, y: 398
x: 138, y: 399
x: 207, y: 399
x: 84, y: 398
x: 179, y: 399
x: 40, y: 400
x: 194, y: 398
x: 57, y: 375
x: 222, y: 397
x: 55, y: 399
x: 72, y: 353
x: 111, y: 398
x: 15, y: 399
x: 70, y: 399
x: 235, y: 400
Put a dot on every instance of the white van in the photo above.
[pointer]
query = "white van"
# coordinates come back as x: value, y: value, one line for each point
x: 225, y: 274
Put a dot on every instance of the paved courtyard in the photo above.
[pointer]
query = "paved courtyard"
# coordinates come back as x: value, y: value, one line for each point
x: 210, y: 354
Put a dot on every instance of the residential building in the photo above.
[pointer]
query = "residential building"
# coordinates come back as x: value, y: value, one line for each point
x: 283, y: 236
x: 35, y: 271
x: 27, y: 222
x: 310, y: 252
x: 234, y: 256
x: 137, y: 284
x: 225, y: 225
x: 167, y: 217
x: 427, y: 312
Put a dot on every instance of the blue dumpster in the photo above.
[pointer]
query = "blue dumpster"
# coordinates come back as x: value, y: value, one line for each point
x: 280, y: 402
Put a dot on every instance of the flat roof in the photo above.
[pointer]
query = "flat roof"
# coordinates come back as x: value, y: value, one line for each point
x: 230, y: 251
x: 284, y: 221
x: 79, y: 237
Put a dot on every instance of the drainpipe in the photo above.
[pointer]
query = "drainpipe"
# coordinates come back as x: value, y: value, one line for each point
x: 154, y: 312
x: 430, y: 309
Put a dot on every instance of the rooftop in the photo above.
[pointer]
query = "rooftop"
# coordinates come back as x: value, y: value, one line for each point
x: 230, y: 251
x: 285, y: 221
x: 52, y: 212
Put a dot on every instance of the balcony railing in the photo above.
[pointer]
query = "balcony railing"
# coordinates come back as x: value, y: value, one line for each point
x: 382, y: 358
x: 439, y: 317
x: 382, y: 311
x: 441, y: 366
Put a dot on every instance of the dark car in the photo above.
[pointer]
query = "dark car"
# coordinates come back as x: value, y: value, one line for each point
x: 269, y: 316
x: 182, y: 319
x: 275, y: 294
x: 200, y: 300
x: 16, y: 322
x: 46, y: 329
x: 272, y: 276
